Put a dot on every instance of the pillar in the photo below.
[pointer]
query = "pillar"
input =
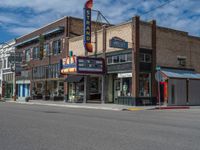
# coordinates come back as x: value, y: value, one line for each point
x: 135, y: 55
x: 153, y: 67
x: 103, y: 92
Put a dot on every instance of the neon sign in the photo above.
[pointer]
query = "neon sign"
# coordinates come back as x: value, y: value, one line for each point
x: 87, y: 25
x: 68, y: 65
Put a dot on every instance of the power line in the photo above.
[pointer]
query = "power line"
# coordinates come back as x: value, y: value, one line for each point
x: 166, y: 3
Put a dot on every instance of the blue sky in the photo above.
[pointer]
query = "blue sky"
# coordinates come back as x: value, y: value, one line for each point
x: 19, y: 17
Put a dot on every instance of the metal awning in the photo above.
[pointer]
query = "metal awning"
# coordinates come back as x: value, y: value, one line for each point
x: 74, y: 78
x: 36, y: 38
x: 182, y: 74
x: 27, y: 41
x: 56, y: 30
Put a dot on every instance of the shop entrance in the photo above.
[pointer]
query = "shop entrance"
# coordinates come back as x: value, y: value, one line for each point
x: 117, y: 87
x: 9, y: 90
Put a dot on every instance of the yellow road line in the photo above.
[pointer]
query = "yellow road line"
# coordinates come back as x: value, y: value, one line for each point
x: 135, y: 109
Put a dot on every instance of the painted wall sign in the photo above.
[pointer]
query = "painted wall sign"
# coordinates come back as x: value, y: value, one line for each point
x: 88, y: 65
x: 117, y: 42
x: 87, y: 26
x: 68, y: 65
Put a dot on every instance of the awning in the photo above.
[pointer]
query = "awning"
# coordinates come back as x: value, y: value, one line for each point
x: 27, y: 41
x: 74, y: 78
x: 182, y: 74
x: 56, y: 30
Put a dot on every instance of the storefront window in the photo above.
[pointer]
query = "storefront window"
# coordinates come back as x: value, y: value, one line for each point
x: 122, y: 87
x: 126, y: 87
x: 145, y: 85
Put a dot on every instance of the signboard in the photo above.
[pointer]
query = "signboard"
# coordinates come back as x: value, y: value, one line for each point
x: 117, y: 42
x: 124, y: 75
x: 90, y: 65
x: 68, y: 65
x: 82, y: 65
x: 87, y: 26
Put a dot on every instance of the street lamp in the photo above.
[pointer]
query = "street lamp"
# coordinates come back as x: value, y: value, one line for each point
x: 13, y: 64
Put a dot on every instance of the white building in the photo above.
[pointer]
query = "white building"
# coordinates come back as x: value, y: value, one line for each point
x: 6, y: 72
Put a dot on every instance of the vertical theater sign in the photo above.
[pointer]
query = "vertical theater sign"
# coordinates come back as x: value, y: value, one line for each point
x: 87, y: 26
x: 80, y: 64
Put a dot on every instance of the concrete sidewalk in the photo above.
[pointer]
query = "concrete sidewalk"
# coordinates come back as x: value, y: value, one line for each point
x: 113, y: 107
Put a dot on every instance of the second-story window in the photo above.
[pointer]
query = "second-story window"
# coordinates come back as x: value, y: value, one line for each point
x: 36, y: 53
x: 1, y: 64
x: 145, y: 58
x: 8, y: 64
x: 27, y: 55
x: 56, y: 47
x: 4, y: 63
x: 46, y: 49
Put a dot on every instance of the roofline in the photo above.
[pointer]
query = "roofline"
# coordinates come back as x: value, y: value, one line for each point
x: 42, y: 27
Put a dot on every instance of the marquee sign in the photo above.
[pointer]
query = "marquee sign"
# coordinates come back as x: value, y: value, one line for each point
x: 87, y: 65
x: 87, y: 25
x: 82, y: 65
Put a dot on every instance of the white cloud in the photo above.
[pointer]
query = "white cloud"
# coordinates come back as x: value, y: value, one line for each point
x: 172, y: 15
x: 21, y: 30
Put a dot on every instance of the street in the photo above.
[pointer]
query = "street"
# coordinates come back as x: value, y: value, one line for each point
x: 33, y: 127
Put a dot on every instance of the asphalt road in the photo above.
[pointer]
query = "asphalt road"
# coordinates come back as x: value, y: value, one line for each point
x: 30, y: 127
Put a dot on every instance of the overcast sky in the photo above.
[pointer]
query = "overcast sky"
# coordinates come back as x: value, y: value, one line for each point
x: 19, y: 17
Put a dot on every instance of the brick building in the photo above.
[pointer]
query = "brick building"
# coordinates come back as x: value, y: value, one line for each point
x: 132, y: 51
x: 41, y: 51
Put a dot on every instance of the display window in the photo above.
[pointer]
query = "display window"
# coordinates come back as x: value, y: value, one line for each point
x: 122, y: 87
x: 145, y: 85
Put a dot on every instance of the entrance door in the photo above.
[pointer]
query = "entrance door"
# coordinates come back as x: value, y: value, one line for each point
x: 117, y: 87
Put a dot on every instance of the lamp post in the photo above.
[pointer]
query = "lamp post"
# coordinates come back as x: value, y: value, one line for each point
x: 13, y: 64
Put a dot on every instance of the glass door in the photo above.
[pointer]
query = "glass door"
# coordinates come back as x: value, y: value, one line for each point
x: 117, y: 87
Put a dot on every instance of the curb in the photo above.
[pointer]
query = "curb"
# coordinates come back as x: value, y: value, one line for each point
x: 68, y: 106
x: 172, y: 107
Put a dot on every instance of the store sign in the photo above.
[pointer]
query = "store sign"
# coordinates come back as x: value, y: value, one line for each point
x: 68, y: 65
x: 124, y: 75
x: 117, y: 42
x: 88, y: 65
x: 87, y: 25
